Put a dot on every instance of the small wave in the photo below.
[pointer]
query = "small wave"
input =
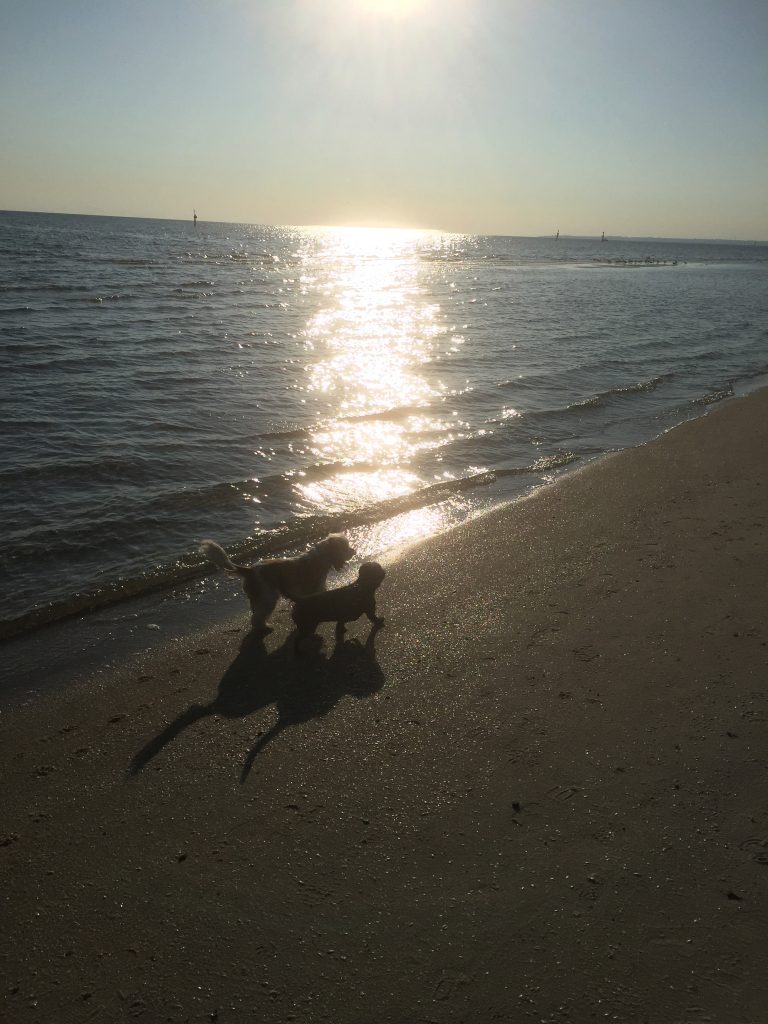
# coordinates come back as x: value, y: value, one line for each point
x: 715, y: 396
x: 550, y: 462
x: 30, y: 287
x: 211, y: 496
x: 709, y: 356
x: 546, y: 464
x: 596, y: 402
x: 91, y: 469
x: 304, y: 433
x: 531, y: 381
x: 298, y: 433
x: 40, y: 350
x: 401, y: 412
x: 634, y: 389
x: 324, y: 470
x: 603, y: 397
x: 758, y: 372
x: 94, y: 600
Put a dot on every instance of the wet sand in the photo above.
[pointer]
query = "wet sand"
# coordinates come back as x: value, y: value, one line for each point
x: 538, y: 794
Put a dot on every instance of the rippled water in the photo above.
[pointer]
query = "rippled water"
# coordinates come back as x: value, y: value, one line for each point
x: 165, y: 383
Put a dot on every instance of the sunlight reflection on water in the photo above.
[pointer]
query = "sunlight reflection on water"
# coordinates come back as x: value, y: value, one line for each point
x: 377, y: 329
x: 367, y: 350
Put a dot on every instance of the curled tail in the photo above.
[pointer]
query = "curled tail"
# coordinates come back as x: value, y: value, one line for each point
x: 215, y: 553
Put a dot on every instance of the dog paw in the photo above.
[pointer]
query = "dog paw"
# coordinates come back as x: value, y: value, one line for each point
x: 307, y: 644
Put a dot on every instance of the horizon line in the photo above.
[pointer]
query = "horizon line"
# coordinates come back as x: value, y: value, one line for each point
x: 393, y: 227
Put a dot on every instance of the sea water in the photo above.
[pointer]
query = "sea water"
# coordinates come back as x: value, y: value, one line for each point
x: 165, y: 382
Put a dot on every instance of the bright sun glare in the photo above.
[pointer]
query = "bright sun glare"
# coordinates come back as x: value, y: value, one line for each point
x: 391, y: 8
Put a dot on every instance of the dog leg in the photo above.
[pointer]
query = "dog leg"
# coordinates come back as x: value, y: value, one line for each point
x: 370, y: 611
x: 263, y: 600
x: 302, y: 640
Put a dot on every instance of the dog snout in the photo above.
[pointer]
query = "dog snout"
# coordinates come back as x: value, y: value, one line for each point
x: 343, y: 559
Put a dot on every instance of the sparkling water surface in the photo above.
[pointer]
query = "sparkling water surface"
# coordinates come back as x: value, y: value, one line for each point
x: 262, y: 386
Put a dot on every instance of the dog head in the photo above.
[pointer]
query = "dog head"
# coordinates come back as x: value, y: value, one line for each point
x: 370, y: 575
x: 339, y: 550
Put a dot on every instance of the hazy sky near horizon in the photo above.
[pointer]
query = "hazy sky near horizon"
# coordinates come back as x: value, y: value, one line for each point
x: 634, y: 117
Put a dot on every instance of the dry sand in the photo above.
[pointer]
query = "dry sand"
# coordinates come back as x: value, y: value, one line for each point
x: 539, y: 794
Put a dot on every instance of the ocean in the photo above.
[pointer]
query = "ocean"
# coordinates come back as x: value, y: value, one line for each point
x: 165, y: 382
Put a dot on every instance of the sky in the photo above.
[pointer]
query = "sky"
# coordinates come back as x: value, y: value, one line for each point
x: 522, y: 117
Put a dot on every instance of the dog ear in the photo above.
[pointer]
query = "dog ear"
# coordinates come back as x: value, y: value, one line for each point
x: 339, y: 548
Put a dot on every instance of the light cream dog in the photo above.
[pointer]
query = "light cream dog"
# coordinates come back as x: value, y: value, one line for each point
x: 265, y: 582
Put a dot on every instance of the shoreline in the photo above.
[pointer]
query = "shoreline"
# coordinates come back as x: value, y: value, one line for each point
x: 93, y: 641
x: 536, y: 794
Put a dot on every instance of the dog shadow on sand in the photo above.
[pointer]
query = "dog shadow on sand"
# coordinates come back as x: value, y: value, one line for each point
x: 302, y: 687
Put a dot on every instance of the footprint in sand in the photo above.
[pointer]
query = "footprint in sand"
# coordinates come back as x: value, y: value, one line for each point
x: 562, y: 792
x: 585, y: 653
x: 757, y: 848
x: 448, y: 985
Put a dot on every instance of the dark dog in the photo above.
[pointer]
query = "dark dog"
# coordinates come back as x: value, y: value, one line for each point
x: 294, y: 578
x: 345, y: 604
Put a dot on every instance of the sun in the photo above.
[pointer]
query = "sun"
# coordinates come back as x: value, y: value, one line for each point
x: 391, y: 8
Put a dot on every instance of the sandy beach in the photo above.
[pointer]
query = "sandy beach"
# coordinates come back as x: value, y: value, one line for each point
x: 539, y: 793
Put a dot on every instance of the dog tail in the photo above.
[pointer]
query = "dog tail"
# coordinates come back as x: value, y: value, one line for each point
x: 215, y: 553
